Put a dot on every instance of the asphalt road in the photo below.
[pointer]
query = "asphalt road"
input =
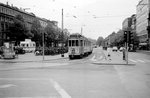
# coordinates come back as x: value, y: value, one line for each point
x: 79, y: 78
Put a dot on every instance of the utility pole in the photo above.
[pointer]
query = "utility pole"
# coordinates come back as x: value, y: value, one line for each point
x: 81, y: 30
x: 62, y: 21
x: 43, y: 43
x: 148, y: 25
x: 62, y: 54
x: 127, y: 45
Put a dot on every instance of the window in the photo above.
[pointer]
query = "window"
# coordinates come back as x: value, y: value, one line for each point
x: 33, y: 44
x: 81, y: 41
x: 73, y: 43
x: 23, y: 45
x: 69, y: 42
x: 77, y: 43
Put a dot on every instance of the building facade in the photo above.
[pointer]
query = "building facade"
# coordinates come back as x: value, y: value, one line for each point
x: 126, y: 24
x: 142, y: 22
x: 7, y: 13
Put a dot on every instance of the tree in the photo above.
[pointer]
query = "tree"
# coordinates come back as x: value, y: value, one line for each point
x: 100, y: 41
x: 18, y: 30
x: 36, y: 30
x: 120, y: 38
x: 50, y: 34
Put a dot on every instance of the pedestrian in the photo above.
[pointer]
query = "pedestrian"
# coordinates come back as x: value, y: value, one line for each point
x: 109, y: 53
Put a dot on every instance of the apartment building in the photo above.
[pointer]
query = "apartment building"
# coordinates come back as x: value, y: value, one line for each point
x: 142, y: 22
x: 7, y: 13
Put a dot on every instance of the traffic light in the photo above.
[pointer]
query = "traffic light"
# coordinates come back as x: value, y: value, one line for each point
x: 131, y: 37
x: 125, y: 36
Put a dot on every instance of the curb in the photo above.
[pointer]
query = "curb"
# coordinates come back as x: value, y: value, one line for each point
x: 5, y: 61
x: 100, y: 63
x: 30, y: 67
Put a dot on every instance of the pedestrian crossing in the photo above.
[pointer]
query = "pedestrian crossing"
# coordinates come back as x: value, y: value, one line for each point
x: 139, y: 60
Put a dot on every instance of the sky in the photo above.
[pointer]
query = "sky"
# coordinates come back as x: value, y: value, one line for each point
x: 95, y: 17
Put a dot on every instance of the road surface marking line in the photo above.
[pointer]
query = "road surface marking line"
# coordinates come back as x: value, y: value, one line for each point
x: 23, y: 79
x: 93, y: 58
x: 60, y: 90
x: 6, y: 86
x: 147, y: 60
x: 132, y: 60
x: 100, y: 57
x: 141, y: 61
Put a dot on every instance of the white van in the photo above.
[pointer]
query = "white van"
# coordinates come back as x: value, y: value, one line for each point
x: 28, y: 45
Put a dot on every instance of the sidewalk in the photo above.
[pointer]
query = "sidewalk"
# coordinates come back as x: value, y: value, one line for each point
x: 116, y: 59
x: 30, y: 57
x: 143, y: 51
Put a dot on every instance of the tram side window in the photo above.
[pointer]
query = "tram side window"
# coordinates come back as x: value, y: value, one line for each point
x: 81, y: 42
x: 27, y: 45
x: 77, y: 43
x: 69, y: 42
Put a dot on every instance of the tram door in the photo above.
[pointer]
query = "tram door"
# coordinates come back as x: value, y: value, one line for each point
x: 82, y: 48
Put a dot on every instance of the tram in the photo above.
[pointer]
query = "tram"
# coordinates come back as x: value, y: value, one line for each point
x: 78, y: 45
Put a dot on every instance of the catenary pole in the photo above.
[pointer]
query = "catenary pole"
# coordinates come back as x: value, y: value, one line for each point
x: 43, y: 43
x: 62, y: 54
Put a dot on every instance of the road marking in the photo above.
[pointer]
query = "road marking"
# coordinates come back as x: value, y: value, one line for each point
x: 101, y: 57
x: 132, y: 60
x: 22, y: 79
x: 60, y: 90
x: 93, y: 58
x: 6, y: 85
x: 141, y: 61
x: 147, y: 60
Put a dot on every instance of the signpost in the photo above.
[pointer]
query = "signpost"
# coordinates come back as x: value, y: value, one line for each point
x: 126, y: 40
x: 43, y: 24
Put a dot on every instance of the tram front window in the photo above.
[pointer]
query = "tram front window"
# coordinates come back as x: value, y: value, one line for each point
x: 77, y: 43
x: 69, y: 42
x: 73, y: 43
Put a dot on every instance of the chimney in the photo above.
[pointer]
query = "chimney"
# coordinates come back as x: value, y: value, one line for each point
x: 7, y: 3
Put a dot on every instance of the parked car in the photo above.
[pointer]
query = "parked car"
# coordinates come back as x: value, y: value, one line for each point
x: 8, y: 51
x: 19, y: 50
x: 115, y: 49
